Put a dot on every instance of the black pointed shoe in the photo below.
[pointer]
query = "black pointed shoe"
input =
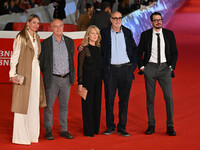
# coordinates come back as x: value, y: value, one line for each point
x: 150, y: 130
x: 49, y: 135
x: 170, y: 131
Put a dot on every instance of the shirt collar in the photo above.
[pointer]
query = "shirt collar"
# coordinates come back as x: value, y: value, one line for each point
x: 116, y: 32
x: 154, y: 32
x: 62, y: 39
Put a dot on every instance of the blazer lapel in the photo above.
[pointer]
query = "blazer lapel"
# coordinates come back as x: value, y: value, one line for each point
x: 109, y: 41
x: 166, y: 40
x: 68, y: 49
x: 125, y: 36
x: 149, y: 43
x: 50, y: 44
x: 67, y: 44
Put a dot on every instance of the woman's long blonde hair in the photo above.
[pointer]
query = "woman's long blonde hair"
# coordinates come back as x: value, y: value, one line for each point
x: 85, y: 41
x: 22, y: 33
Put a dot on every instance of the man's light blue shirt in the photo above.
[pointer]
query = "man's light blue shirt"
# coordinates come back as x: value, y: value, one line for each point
x: 118, y: 48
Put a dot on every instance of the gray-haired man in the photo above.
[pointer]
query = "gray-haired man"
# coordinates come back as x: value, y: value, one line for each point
x: 57, y: 66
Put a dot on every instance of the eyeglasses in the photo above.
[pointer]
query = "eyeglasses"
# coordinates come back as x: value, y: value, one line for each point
x: 115, y: 18
x: 157, y: 20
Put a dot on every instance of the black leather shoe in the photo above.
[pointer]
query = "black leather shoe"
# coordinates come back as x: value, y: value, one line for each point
x: 123, y: 133
x: 109, y: 131
x: 170, y: 131
x: 49, y: 135
x: 66, y: 134
x: 150, y: 130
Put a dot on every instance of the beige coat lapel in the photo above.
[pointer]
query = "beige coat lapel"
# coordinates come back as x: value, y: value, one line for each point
x: 39, y: 45
x: 28, y: 42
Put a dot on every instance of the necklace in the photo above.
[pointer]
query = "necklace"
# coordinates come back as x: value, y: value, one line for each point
x: 33, y: 37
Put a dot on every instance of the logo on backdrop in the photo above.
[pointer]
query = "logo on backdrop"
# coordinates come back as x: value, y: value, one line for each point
x: 5, y: 57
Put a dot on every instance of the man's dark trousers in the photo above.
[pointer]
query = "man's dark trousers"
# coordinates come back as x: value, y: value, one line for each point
x: 161, y: 73
x: 120, y: 77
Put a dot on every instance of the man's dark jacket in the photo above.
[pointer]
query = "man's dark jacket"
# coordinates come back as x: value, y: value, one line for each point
x: 145, y: 46
x: 46, y: 60
x: 131, y: 49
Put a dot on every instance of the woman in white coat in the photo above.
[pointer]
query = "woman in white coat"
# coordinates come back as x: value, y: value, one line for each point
x: 28, y: 95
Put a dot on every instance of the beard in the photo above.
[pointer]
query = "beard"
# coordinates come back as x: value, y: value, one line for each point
x: 158, y: 27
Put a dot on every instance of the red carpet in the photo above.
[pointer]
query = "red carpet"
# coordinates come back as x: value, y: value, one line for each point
x: 186, y: 91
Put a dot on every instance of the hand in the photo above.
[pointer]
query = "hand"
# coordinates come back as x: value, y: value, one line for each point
x: 170, y: 67
x: 14, y: 80
x: 80, y: 48
x: 80, y: 87
x: 141, y: 70
x: 109, y: 11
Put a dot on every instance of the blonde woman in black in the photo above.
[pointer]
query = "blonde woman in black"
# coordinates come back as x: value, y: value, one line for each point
x: 89, y: 76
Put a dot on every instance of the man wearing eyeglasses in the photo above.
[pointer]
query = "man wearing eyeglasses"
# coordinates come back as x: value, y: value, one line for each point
x: 57, y: 66
x: 119, y: 53
x: 157, y: 56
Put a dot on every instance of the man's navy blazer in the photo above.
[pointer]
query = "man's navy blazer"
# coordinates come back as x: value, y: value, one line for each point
x: 145, y: 46
x: 131, y: 49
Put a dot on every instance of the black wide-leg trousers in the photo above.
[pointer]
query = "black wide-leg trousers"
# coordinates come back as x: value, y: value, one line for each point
x: 91, y: 107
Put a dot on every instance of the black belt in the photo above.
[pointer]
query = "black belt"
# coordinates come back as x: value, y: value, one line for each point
x: 61, y: 76
x: 121, y: 65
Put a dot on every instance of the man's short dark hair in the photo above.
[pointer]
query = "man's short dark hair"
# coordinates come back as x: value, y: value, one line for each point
x: 155, y: 13
x: 105, y: 5
x: 88, y: 5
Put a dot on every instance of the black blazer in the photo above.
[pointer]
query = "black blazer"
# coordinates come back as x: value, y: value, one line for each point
x: 46, y: 60
x: 145, y: 44
x: 131, y: 49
